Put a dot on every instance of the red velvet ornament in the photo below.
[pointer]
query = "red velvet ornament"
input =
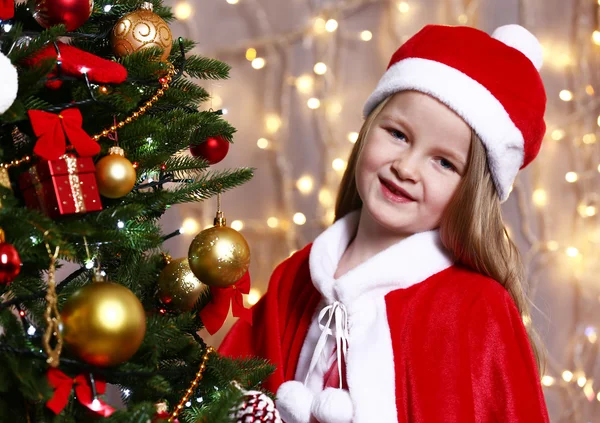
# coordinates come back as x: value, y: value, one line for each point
x: 163, y: 416
x: 75, y: 61
x: 214, y: 149
x: 10, y: 263
x: 71, y: 13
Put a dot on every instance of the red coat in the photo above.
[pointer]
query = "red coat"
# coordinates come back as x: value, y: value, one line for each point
x: 460, y: 352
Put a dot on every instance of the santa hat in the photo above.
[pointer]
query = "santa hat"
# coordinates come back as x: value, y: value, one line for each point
x: 493, y: 83
x: 8, y: 83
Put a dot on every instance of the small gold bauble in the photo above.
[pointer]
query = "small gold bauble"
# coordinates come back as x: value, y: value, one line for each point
x: 128, y: 119
x: 178, y: 288
x: 219, y: 256
x: 141, y: 29
x: 115, y: 175
x: 104, y: 324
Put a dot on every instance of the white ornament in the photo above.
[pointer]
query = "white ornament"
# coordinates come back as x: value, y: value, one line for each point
x: 9, y: 83
x: 521, y: 39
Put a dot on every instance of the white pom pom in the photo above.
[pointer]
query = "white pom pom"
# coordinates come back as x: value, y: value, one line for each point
x: 518, y: 37
x: 333, y: 406
x: 294, y: 401
x: 9, y: 83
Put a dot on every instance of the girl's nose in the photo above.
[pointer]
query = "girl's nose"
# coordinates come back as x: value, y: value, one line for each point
x: 406, y: 168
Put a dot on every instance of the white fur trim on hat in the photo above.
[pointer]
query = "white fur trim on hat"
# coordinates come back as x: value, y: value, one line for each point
x: 333, y: 406
x: 519, y: 38
x: 294, y: 401
x: 471, y: 101
x: 8, y: 83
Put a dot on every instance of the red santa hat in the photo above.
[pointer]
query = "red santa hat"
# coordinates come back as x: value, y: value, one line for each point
x: 492, y: 82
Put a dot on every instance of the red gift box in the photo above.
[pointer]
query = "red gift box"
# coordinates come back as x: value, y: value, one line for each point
x: 63, y: 186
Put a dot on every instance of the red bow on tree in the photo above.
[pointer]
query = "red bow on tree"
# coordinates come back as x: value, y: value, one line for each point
x: 7, y: 9
x: 51, y: 130
x: 63, y: 385
x: 213, y: 315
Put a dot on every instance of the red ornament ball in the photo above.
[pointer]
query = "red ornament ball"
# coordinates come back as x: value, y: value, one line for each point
x: 10, y: 263
x: 71, y: 13
x: 214, y: 149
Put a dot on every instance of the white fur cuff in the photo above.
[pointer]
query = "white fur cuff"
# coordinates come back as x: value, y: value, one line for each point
x: 294, y: 401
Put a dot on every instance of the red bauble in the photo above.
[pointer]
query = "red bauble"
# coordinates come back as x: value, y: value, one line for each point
x: 10, y: 263
x: 214, y: 149
x: 71, y: 13
x: 163, y: 416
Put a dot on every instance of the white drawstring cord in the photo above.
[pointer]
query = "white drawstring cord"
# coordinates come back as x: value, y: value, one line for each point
x: 338, y: 312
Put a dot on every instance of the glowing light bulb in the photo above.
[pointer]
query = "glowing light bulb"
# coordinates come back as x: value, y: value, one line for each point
x: 273, y: 123
x: 590, y: 211
x: 463, y: 19
x: 403, y: 7
x: 566, y: 95
x: 305, y: 83
x: 107, y: 8
x: 572, y: 252
x: 589, y: 90
x: 253, y: 296
x: 596, y: 37
x: 581, y: 381
x: 272, y: 222
x: 299, y: 219
x: 540, y: 198
x: 567, y: 376
x: 320, y: 68
x: 331, y: 25
x: 571, y: 177
x: 558, y: 134
x: 190, y: 226
x: 262, y: 143
x: 238, y: 225
x: 319, y: 26
x: 233, y: 1
x: 547, y: 381
x: 120, y: 224
x: 313, y: 103
x: 305, y: 184
x: 325, y: 197
x: 589, y: 138
x: 183, y: 10
x: 592, y: 334
x: 258, y: 63
x: 552, y: 245
x: 353, y: 137
x: 366, y: 35
x: 250, y: 54
x: 339, y: 164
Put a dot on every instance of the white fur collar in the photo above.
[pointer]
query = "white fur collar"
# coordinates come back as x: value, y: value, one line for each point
x: 406, y: 263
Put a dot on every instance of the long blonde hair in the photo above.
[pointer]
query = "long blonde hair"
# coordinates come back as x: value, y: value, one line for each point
x: 471, y: 227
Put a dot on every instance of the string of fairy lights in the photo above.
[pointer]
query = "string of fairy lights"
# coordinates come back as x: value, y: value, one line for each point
x: 572, y: 136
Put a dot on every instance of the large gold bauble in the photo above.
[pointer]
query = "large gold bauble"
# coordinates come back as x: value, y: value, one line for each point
x: 115, y: 175
x: 141, y: 29
x: 103, y: 324
x: 178, y: 288
x: 219, y: 256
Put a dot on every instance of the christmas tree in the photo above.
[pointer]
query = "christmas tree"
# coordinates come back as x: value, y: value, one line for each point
x: 98, y: 110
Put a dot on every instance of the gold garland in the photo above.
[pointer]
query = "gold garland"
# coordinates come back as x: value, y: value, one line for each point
x: 52, y: 316
x: 193, y: 385
x: 164, y: 81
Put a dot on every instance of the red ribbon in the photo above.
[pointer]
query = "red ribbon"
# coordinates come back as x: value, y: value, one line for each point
x: 63, y: 385
x: 213, y: 315
x: 51, y: 130
x: 7, y: 9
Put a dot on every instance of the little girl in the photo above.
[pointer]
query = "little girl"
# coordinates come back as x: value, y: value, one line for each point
x: 410, y: 307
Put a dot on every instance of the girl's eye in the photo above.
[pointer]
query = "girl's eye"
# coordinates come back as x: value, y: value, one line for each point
x: 398, y: 134
x: 446, y: 164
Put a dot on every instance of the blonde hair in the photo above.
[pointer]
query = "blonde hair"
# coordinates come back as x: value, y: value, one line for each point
x: 471, y: 227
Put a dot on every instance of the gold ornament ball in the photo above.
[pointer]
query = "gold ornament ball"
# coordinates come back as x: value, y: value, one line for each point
x: 103, y: 324
x: 178, y: 288
x: 141, y: 29
x: 115, y: 176
x: 219, y: 256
